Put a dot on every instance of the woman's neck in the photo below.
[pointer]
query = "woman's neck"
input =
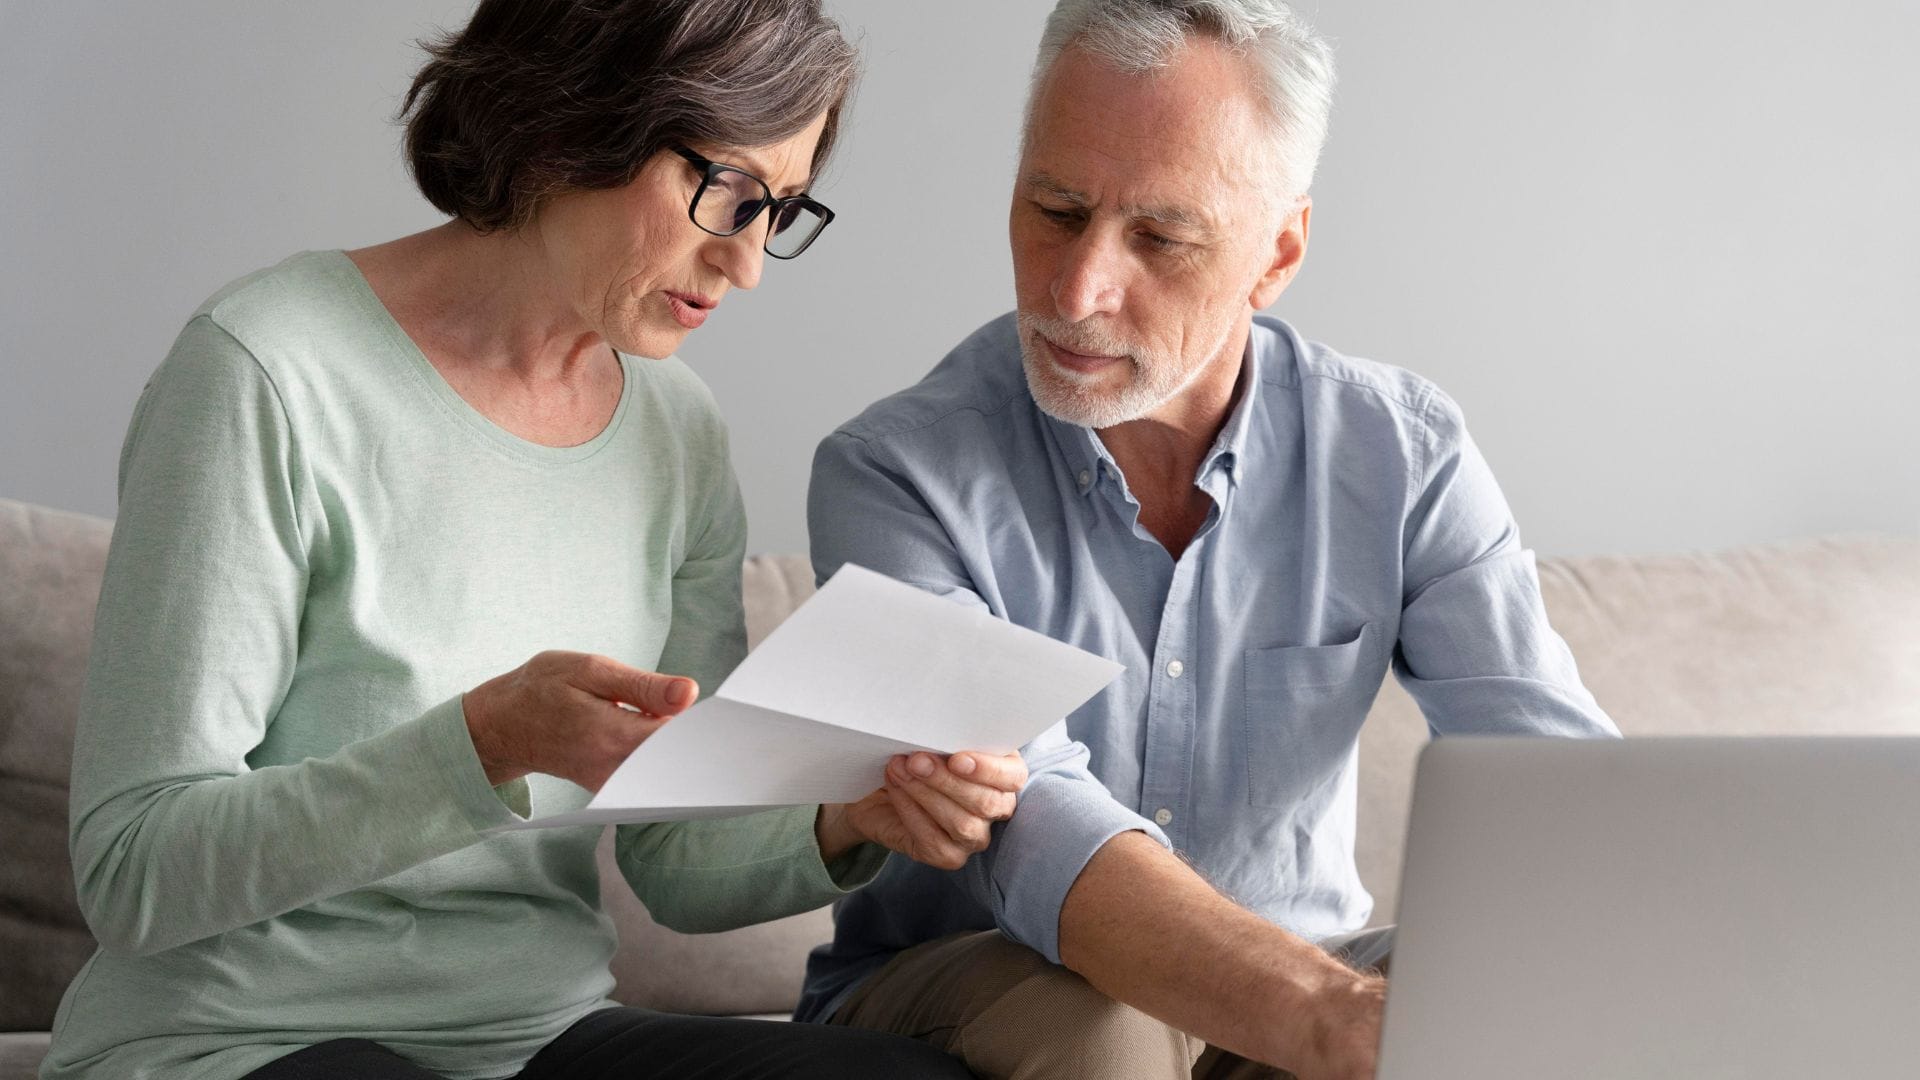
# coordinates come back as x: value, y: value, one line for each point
x: 482, y: 301
x: 482, y: 311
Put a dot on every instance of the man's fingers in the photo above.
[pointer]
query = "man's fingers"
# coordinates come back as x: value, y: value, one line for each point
x: 1006, y: 772
x: 965, y: 827
x: 988, y: 801
x: 929, y: 841
x: 652, y: 693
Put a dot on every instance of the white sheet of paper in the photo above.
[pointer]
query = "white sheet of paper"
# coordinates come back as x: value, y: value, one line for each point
x: 867, y: 668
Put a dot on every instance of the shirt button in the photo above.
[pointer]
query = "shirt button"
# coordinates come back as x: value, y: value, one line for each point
x: 1175, y: 669
x: 1163, y: 817
x: 1086, y: 477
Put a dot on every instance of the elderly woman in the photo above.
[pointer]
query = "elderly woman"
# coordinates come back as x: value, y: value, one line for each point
x: 365, y: 484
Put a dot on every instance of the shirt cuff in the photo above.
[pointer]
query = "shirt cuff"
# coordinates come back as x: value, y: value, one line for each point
x: 1060, y: 823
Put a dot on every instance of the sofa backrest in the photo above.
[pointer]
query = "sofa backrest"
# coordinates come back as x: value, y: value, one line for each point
x: 1818, y: 636
x: 1810, y: 637
x: 50, y: 565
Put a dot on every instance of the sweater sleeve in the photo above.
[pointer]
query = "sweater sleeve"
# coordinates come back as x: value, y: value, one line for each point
x: 717, y: 874
x: 175, y: 837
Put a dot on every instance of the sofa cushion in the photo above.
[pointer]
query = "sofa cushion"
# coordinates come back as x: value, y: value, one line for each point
x: 50, y: 566
x: 20, y: 1054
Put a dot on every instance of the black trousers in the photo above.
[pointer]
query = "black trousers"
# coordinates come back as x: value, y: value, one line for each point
x: 639, y: 1044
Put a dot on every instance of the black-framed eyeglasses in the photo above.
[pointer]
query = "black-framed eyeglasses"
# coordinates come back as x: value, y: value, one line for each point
x: 731, y: 199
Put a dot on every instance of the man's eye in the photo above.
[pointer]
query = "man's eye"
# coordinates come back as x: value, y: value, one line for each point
x: 1058, y: 217
x: 1157, y: 242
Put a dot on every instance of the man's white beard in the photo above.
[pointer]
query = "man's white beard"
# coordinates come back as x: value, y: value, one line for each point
x: 1076, y: 398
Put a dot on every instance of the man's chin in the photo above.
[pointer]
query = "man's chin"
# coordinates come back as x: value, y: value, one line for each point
x: 1077, y: 397
x: 1074, y: 403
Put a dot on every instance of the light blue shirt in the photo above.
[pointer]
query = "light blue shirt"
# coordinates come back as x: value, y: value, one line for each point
x: 1354, y: 527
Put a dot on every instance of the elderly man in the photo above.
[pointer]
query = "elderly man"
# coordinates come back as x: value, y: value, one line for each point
x: 1256, y: 526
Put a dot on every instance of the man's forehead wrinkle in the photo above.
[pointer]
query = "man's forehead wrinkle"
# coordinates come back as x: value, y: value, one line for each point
x: 1188, y: 157
x: 1195, y: 124
x: 1147, y: 139
x: 1068, y: 193
x: 1184, y: 177
x: 1056, y: 187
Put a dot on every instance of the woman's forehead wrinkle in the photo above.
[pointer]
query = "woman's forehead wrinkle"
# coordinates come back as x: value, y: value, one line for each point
x: 758, y: 165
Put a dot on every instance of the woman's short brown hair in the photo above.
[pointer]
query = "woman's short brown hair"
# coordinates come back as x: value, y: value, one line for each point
x: 539, y: 97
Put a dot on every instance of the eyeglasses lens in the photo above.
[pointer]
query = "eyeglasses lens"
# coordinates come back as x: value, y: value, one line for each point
x: 732, y: 199
x: 729, y: 202
x: 794, y: 227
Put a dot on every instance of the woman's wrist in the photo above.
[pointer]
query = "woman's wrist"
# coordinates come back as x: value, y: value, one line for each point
x: 499, y: 770
x: 834, y: 830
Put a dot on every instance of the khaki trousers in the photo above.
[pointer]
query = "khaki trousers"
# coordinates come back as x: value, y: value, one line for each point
x: 1010, y: 1015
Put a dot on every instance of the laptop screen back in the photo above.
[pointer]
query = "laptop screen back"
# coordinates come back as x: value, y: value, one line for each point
x: 1691, y: 908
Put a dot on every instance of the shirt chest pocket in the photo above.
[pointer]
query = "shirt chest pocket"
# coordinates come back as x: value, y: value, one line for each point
x: 1302, y: 715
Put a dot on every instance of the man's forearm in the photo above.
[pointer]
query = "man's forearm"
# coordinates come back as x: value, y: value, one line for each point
x: 1143, y: 928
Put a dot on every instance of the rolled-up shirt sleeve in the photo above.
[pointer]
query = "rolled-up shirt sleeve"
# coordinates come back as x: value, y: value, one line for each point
x: 862, y: 509
x: 1065, y: 815
x: 1476, y: 650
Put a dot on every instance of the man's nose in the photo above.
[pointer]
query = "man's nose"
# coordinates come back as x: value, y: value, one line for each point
x: 1090, y: 279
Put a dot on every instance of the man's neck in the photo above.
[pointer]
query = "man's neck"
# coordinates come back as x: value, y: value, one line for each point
x: 1161, y: 453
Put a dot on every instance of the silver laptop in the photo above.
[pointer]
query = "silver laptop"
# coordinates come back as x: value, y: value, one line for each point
x: 1666, y: 907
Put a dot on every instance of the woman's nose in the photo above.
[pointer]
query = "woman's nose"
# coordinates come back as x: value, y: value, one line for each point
x: 740, y: 256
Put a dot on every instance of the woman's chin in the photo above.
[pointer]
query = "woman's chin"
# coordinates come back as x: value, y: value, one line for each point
x: 652, y: 343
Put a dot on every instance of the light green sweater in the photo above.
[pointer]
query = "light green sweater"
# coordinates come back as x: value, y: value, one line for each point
x: 277, y: 811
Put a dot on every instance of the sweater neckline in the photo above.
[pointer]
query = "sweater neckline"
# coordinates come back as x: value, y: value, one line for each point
x: 458, y: 408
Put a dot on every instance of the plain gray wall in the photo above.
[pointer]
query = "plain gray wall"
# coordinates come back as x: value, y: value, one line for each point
x: 1667, y: 255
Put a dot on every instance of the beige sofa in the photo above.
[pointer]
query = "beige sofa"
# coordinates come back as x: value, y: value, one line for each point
x: 1816, y: 636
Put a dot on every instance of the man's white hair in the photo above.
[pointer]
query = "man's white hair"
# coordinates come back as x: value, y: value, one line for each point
x: 1138, y: 36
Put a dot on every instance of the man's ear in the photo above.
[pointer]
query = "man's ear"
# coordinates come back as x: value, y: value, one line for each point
x: 1289, y: 251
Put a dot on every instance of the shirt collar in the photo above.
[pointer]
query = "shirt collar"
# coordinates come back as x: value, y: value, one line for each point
x: 1086, y: 456
x: 1230, y: 446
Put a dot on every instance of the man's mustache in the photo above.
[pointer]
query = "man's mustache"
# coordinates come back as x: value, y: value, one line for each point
x: 1080, y: 337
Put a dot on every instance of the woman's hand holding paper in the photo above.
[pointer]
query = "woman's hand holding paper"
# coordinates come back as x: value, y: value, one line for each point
x: 572, y: 715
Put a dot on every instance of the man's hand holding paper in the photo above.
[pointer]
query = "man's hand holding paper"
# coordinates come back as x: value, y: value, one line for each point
x: 934, y: 811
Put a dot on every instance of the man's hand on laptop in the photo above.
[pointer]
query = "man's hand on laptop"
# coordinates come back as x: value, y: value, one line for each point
x: 1339, y: 1038
x: 934, y: 810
